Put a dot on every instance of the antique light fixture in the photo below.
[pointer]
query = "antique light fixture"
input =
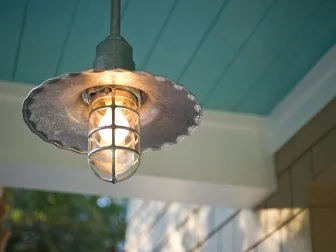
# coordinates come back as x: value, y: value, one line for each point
x: 108, y: 110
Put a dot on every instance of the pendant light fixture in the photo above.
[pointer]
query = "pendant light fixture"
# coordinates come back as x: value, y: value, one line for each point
x: 111, y: 112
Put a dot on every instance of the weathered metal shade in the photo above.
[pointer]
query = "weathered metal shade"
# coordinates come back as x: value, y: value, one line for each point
x: 57, y: 113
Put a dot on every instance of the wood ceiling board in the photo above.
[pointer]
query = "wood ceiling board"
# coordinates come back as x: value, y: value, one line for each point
x: 10, y: 28
x: 275, y: 30
x: 292, y: 63
x: 187, y: 26
x: 222, y: 44
x: 142, y: 24
x: 90, y: 26
x: 42, y: 41
x: 235, y: 55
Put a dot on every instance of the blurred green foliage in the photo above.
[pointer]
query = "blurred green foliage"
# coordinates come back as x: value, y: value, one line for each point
x: 49, y: 221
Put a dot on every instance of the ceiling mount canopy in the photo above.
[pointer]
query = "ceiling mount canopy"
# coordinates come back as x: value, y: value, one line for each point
x: 109, y: 110
x: 114, y: 52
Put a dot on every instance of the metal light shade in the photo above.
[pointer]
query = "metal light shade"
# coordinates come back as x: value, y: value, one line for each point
x: 57, y: 112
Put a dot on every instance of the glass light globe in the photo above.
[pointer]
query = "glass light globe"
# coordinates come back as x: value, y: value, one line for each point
x: 114, y: 133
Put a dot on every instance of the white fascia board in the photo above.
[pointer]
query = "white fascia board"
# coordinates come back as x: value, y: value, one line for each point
x: 314, y: 91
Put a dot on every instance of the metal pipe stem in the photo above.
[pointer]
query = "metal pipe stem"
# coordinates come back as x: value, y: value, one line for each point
x: 115, y: 18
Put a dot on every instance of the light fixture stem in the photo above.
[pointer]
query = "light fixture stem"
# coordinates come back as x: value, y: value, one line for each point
x: 115, y: 18
x: 114, y: 52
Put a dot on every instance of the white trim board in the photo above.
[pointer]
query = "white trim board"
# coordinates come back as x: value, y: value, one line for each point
x: 228, y: 161
x: 81, y: 181
x: 314, y: 91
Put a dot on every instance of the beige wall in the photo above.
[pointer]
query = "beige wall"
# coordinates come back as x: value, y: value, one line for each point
x: 322, y: 205
x: 291, y: 213
x: 284, y: 222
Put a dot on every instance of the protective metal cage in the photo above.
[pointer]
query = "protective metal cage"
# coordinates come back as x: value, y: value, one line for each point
x: 114, y: 132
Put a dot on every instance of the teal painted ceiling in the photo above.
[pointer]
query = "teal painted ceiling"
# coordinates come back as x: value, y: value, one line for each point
x: 234, y: 55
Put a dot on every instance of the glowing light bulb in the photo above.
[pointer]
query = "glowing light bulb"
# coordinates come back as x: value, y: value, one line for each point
x: 120, y: 134
x: 114, y: 134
